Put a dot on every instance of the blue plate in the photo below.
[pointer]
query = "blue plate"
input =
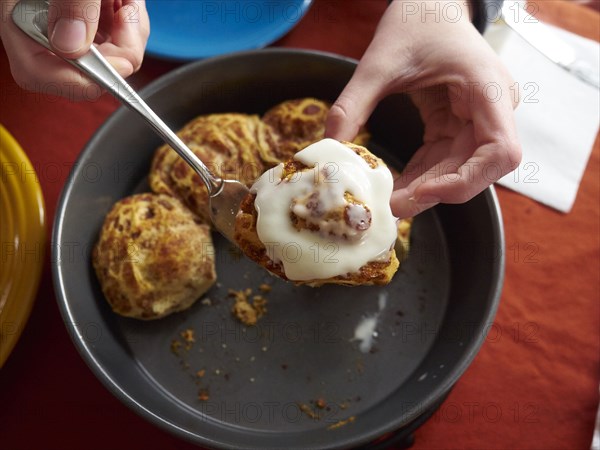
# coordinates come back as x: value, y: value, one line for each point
x: 193, y: 29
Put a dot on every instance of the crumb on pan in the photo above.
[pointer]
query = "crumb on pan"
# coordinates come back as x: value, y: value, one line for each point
x: 248, y: 309
x: 264, y: 287
x: 175, y: 346
x: 203, y: 395
x: 188, y: 337
x: 308, y: 411
x: 341, y: 423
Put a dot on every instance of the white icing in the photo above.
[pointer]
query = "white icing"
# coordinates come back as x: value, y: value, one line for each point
x: 337, y: 248
x: 358, y: 216
x: 365, y: 330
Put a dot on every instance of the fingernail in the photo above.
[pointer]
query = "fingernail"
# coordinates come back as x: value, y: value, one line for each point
x: 68, y: 35
x: 427, y: 199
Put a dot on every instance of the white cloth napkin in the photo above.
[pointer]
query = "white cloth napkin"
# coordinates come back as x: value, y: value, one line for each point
x: 557, y: 120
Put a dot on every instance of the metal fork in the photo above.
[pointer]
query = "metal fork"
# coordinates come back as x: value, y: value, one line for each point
x: 225, y: 196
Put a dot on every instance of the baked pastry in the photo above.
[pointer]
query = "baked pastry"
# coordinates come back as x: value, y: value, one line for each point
x: 153, y: 257
x: 226, y: 143
x: 293, y: 125
x: 159, y: 177
x: 403, y: 242
x: 238, y: 146
x: 322, y: 217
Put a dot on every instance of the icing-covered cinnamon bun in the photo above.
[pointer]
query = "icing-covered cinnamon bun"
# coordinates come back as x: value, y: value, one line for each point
x: 323, y: 217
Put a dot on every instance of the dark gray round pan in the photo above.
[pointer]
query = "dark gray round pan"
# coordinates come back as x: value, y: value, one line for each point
x: 297, y: 379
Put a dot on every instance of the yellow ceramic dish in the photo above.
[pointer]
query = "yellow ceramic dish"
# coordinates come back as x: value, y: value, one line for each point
x: 22, y: 240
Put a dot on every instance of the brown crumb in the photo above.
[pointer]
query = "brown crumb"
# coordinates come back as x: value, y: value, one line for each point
x: 308, y: 411
x: 188, y: 335
x: 241, y: 294
x: 341, y: 423
x: 260, y: 305
x: 203, y: 395
x: 175, y: 346
x: 321, y: 403
x: 245, y: 311
x: 201, y: 373
x: 265, y: 287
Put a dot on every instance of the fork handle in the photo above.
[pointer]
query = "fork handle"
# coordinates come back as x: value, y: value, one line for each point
x: 96, y: 67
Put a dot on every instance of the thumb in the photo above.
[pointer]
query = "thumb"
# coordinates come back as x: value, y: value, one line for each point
x: 72, y: 26
x: 354, y: 105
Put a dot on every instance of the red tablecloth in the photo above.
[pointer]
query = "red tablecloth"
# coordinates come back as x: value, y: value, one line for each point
x: 534, y: 385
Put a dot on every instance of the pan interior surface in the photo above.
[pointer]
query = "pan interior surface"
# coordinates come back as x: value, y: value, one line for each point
x: 299, y: 369
x: 264, y: 377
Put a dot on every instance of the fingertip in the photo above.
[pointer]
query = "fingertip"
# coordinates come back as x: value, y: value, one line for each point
x: 353, y: 107
x: 338, y: 126
x: 68, y: 36
x: 134, y: 33
x: 405, y: 205
x: 72, y: 28
x: 401, y: 203
x: 122, y: 65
